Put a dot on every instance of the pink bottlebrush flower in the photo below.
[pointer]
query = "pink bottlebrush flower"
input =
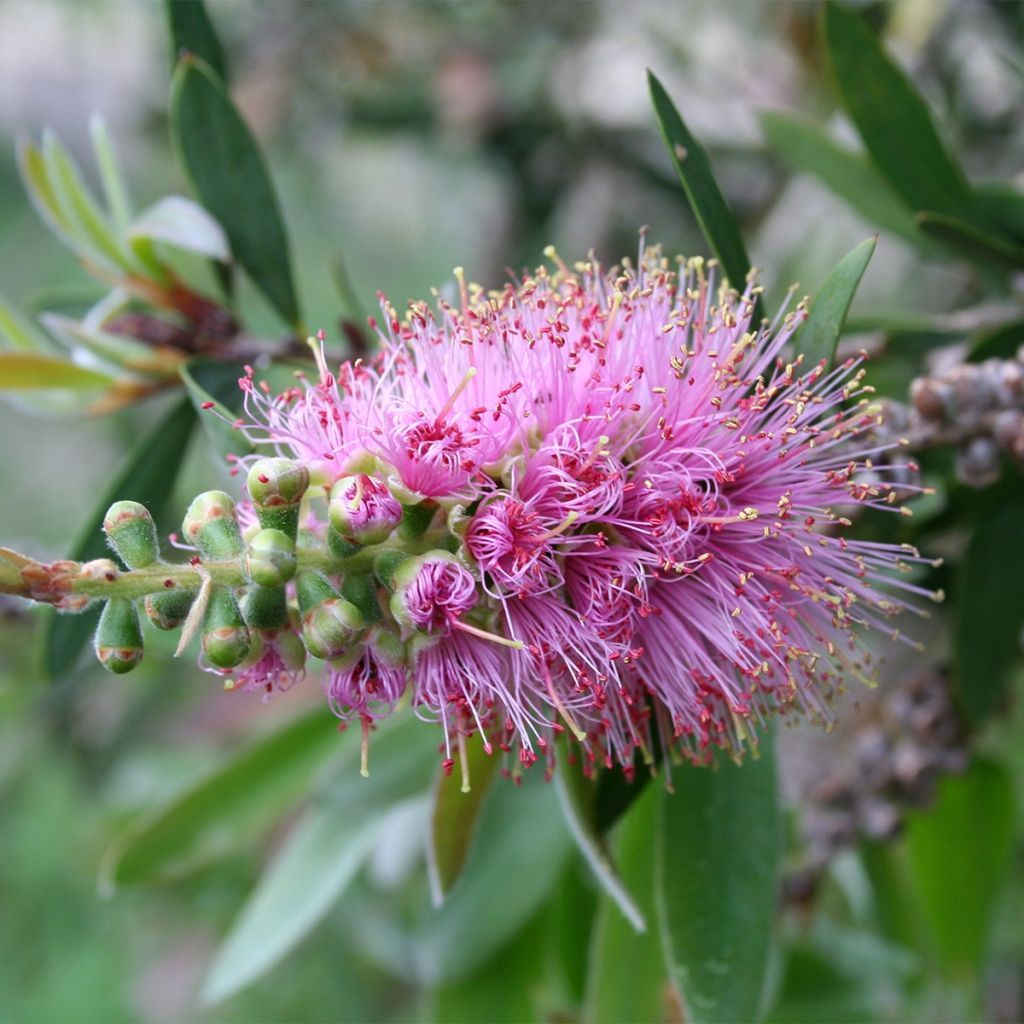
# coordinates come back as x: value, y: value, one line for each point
x: 277, y: 661
x: 644, y: 508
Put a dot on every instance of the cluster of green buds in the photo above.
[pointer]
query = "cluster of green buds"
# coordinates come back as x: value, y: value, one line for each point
x: 360, y: 586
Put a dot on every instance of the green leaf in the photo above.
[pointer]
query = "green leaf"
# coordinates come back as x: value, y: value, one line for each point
x: 694, y: 169
x: 717, y: 857
x: 322, y: 855
x: 180, y: 222
x: 146, y: 475
x: 216, y: 815
x: 819, y: 334
x: 115, y: 191
x: 892, y: 117
x: 1000, y: 342
x: 1001, y: 206
x: 579, y: 796
x: 989, y: 611
x: 23, y: 370
x: 20, y: 332
x: 229, y: 175
x: 521, y: 847
x: 960, y: 852
x: 626, y: 980
x: 37, y: 183
x: 92, y: 230
x: 192, y: 31
x: 455, y: 815
x: 208, y: 380
x: 113, y: 350
x: 972, y: 242
x: 809, y: 148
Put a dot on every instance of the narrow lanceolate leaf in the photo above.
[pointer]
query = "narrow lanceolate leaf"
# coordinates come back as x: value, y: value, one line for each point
x: 322, y: 855
x: 147, y: 475
x: 209, y: 381
x: 180, y: 222
x: 218, y: 814
x: 809, y: 148
x: 819, y: 334
x: 626, y: 980
x: 115, y: 190
x: 892, y: 117
x: 523, y: 843
x: 229, y: 175
x: 192, y: 31
x: 26, y: 370
x: 977, y: 244
x: 706, y: 200
x: 959, y: 853
x: 579, y: 796
x: 717, y: 858
x: 458, y: 800
x: 19, y: 332
x: 990, y: 611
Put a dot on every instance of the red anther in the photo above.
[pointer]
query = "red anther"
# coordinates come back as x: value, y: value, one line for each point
x: 194, y: 560
x: 263, y: 478
x: 447, y: 765
x: 320, y: 336
x: 109, y: 577
x: 207, y: 405
x: 168, y: 583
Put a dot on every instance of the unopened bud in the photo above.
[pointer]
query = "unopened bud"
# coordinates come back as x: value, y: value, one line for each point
x: 329, y: 622
x: 210, y: 524
x: 363, y: 509
x: 168, y: 610
x: 132, y: 533
x: 276, y: 487
x: 119, y: 636
x: 271, y: 558
x: 265, y: 608
x: 977, y: 462
x: 225, y: 636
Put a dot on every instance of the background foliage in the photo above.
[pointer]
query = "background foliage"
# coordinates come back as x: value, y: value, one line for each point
x: 170, y: 853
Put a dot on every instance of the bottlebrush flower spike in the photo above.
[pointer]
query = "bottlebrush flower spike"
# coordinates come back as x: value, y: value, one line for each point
x: 636, y: 511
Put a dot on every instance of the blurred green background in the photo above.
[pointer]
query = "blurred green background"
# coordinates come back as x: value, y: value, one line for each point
x: 411, y: 137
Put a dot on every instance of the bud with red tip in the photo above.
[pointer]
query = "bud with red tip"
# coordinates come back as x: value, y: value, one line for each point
x: 210, y: 524
x: 329, y: 623
x: 276, y: 487
x: 119, y: 636
x: 225, y: 636
x: 270, y: 561
x: 131, y: 532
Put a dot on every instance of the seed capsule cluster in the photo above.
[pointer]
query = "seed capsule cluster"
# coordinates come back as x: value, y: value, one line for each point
x: 913, y: 738
x: 976, y: 407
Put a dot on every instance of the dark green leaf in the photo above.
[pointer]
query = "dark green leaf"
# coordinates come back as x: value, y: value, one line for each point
x: 322, y: 855
x: 1002, y: 207
x: 455, y: 814
x: 997, y: 343
x: 216, y: 815
x: 959, y: 853
x: 579, y: 802
x: 230, y: 178
x: 972, y: 242
x: 989, y: 611
x: 192, y: 32
x: 706, y: 200
x: 717, y: 850
x: 523, y: 843
x: 893, y: 119
x: 808, y: 147
x: 626, y: 980
x: 147, y: 475
x: 818, y: 336
x: 208, y: 380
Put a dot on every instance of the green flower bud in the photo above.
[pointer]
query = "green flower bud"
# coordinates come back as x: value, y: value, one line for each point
x: 271, y: 558
x: 131, y: 532
x: 291, y: 649
x: 276, y: 487
x: 210, y: 524
x: 265, y: 608
x: 225, y: 636
x: 361, y: 590
x: 119, y: 636
x: 329, y: 622
x: 169, y: 609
